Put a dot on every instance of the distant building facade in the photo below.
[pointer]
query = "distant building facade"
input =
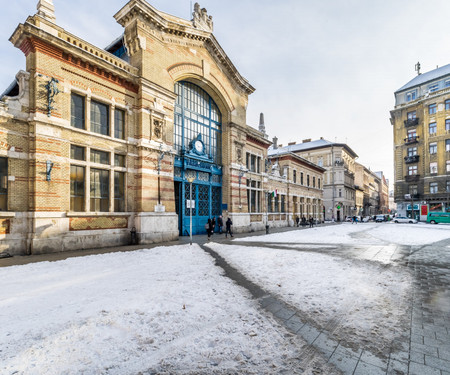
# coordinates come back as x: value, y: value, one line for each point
x: 421, y: 128
x: 338, y: 160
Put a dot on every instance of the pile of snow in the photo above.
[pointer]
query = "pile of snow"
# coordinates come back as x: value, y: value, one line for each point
x: 165, y: 310
x: 363, y: 233
x: 360, y: 301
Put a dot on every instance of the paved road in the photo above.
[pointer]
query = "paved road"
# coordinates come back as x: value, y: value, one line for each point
x: 422, y: 349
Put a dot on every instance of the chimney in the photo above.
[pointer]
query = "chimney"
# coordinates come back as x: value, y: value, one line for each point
x: 306, y: 140
x: 275, y: 143
x: 291, y: 143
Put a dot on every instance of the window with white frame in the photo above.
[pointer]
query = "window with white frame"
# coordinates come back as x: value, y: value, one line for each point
x: 447, y: 125
x: 434, y: 167
x: 411, y: 115
x: 447, y: 145
x: 434, y: 87
x: 412, y: 151
x: 432, y: 127
x: 412, y: 134
x: 433, y: 148
x: 432, y: 109
x: 412, y: 189
x: 412, y: 170
x: 433, y: 187
x: 448, y: 166
x: 411, y: 96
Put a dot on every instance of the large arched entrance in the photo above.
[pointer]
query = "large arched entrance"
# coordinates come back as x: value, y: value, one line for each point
x: 198, y: 142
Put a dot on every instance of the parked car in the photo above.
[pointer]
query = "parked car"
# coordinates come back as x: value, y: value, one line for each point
x: 380, y: 218
x: 438, y: 217
x: 366, y: 219
x: 404, y: 219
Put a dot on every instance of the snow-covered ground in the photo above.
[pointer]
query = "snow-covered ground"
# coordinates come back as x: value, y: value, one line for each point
x: 363, y: 233
x: 165, y: 310
x: 363, y: 301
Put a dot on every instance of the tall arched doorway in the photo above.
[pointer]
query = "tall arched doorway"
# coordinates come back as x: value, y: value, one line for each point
x: 198, y: 142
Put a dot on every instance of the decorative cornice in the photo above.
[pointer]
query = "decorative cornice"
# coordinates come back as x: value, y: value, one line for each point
x: 140, y: 9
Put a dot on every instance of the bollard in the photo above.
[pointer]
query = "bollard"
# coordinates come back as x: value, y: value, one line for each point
x: 133, y: 236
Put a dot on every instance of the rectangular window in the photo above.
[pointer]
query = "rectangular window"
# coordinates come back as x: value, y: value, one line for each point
x: 411, y: 115
x: 411, y: 96
x: 432, y: 109
x: 433, y: 187
x: 447, y: 145
x: 76, y: 188
x: 77, y: 111
x: 99, y: 118
x: 247, y: 161
x: 3, y: 184
x: 277, y: 203
x: 294, y: 177
x: 433, y: 168
x: 318, y: 183
x: 433, y: 88
x: 448, y: 166
x: 258, y: 164
x: 282, y: 203
x: 119, y: 124
x: 119, y: 160
x: 253, y: 163
x: 119, y: 192
x: 99, y: 190
x: 314, y: 182
x: 413, y: 189
x: 412, y: 134
x: 433, y: 148
x: 432, y: 128
x: 269, y: 202
x: 77, y: 152
x: 447, y: 125
x: 412, y: 151
x: 340, y: 193
x: 301, y: 178
x: 101, y: 157
x: 307, y: 180
x: 412, y: 170
x: 447, y: 105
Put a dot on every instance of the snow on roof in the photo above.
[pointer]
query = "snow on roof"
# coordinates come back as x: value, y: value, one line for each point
x: 308, y: 146
x: 426, y: 77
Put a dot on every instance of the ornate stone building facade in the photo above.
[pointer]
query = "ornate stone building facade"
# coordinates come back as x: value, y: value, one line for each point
x: 421, y: 127
x: 96, y: 143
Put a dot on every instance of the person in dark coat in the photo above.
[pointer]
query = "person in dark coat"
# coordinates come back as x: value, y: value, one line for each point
x: 220, y: 224
x: 297, y: 220
x: 213, y: 224
x: 228, y: 225
x: 303, y: 221
x: 311, y: 222
x: 209, y: 228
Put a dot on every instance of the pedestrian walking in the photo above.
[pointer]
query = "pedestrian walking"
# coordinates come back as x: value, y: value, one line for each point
x: 297, y: 220
x: 220, y: 224
x: 209, y: 228
x: 303, y: 221
x: 311, y: 222
x: 354, y: 220
x: 228, y: 225
x: 213, y: 224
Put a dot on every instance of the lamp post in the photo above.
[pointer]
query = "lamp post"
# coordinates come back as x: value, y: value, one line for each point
x: 160, y: 158
x: 190, y: 180
x: 267, y: 210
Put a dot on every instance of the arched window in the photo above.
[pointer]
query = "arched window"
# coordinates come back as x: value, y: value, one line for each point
x: 196, y: 113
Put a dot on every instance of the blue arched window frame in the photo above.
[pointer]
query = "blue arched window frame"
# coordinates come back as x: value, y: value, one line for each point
x: 197, y: 113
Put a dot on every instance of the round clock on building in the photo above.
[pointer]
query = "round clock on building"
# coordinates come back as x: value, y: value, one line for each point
x: 198, y: 145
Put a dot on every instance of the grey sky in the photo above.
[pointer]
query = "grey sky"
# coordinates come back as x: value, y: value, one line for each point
x: 321, y: 68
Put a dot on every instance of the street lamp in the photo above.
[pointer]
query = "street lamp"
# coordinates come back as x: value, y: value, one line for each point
x: 190, y: 180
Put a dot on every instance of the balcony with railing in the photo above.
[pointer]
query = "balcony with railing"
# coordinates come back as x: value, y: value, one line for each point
x: 411, y: 140
x: 412, y: 178
x: 411, y: 122
x: 411, y: 159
